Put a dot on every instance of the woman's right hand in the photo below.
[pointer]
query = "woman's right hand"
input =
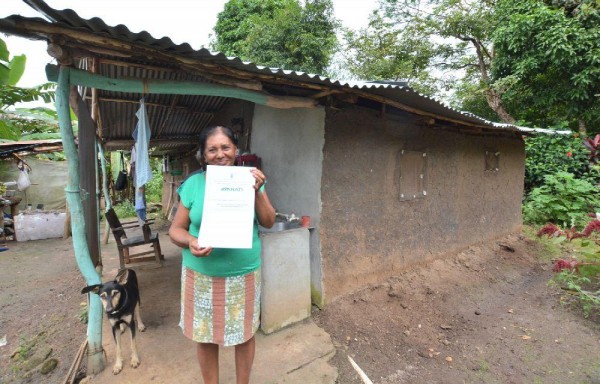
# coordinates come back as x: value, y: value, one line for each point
x: 197, y: 250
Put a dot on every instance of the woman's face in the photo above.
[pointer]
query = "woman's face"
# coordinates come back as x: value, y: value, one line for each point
x: 220, y: 150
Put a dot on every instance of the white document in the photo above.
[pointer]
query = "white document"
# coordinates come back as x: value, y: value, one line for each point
x: 228, y: 217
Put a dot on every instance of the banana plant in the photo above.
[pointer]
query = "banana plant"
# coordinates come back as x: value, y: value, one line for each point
x: 11, y: 70
x: 16, y: 124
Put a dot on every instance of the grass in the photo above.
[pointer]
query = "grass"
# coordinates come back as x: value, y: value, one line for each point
x: 551, y: 250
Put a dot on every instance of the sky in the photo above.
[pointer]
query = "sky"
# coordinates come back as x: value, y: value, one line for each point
x: 184, y: 21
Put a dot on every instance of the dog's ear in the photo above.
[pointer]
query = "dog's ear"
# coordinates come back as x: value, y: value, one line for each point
x: 92, y: 288
x: 122, y: 276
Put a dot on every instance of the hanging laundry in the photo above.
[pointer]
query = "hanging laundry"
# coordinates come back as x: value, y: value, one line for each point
x: 143, y: 169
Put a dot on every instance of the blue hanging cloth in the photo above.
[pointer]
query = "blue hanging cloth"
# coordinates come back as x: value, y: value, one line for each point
x: 143, y: 169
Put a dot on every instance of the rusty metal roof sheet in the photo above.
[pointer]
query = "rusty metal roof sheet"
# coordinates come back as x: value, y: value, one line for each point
x: 7, y: 149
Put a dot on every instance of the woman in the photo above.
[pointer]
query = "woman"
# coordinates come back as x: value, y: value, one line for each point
x: 220, y: 288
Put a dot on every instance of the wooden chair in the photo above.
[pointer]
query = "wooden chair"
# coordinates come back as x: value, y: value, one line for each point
x: 124, y: 242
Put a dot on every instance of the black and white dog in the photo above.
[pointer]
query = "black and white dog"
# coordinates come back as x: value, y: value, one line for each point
x: 121, y: 301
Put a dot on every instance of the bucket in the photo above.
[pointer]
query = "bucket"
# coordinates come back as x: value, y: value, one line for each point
x: 305, y: 221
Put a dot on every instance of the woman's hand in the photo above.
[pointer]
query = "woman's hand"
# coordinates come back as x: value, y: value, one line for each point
x: 197, y: 250
x: 264, y: 210
x: 259, y: 177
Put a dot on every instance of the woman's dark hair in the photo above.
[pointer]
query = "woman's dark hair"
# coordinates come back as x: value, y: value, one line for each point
x: 207, y: 132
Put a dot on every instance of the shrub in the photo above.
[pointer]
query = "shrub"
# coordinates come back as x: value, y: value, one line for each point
x: 548, y: 154
x: 562, y: 200
x: 125, y: 209
x: 578, y: 271
x: 154, y: 186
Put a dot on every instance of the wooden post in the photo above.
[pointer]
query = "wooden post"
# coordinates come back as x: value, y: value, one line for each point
x: 95, y: 363
x: 88, y: 171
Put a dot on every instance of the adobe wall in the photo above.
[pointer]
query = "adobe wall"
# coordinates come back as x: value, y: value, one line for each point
x: 368, y: 234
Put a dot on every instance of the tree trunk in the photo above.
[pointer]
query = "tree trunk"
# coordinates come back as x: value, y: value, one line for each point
x: 495, y: 102
x: 582, y: 128
x: 492, y: 96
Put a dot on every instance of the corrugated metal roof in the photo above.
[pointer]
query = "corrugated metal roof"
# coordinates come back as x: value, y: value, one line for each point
x: 194, y: 112
x: 7, y: 149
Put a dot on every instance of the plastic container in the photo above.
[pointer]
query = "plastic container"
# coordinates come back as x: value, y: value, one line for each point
x: 305, y: 221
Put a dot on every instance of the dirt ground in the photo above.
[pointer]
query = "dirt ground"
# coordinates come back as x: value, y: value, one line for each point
x: 486, y: 315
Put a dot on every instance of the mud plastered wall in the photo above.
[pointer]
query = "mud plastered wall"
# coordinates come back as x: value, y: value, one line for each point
x: 368, y: 233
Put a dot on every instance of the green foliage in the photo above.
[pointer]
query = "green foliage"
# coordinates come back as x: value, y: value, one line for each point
x: 548, y: 59
x: 384, y: 51
x: 278, y: 33
x: 576, y: 262
x: 125, y: 209
x: 83, y: 314
x: 470, y: 96
x: 548, y: 154
x: 562, y: 200
x: 441, y: 47
x: 577, y: 282
x: 20, y: 124
x: 11, y: 95
x: 11, y: 70
x: 579, y: 273
x: 154, y: 187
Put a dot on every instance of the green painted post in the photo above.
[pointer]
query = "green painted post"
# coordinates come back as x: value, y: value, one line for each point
x: 107, y: 201
x: 167, y: 87
x: 95, y: 363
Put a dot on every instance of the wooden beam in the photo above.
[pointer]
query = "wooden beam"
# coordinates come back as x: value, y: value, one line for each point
x: 324, y: 93
x: 142, y: 86
x: 158, y: 105
x: 416, y: 111
x: 127, y: 143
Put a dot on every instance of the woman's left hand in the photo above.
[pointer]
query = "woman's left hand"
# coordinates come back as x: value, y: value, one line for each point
x: 259, y: 177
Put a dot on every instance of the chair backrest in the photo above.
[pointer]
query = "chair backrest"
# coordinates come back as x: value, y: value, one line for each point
x: 115, y: 224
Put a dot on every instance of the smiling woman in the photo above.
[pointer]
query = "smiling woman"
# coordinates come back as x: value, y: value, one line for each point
x: 220, y: 287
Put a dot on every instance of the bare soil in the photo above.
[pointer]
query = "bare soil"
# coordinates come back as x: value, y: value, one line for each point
x: 486, y: 315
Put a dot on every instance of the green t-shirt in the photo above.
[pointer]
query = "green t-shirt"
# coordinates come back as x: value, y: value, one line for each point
x: 222, y: 262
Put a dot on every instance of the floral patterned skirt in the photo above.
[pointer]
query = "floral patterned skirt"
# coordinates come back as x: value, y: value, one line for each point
x: 219, y: 310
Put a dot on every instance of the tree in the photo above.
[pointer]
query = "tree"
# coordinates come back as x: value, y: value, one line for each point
x: 548, y: 58
x: 384, y: 52
x: 18, y: 124
x: 428, y: 39
x: 278, y: 33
